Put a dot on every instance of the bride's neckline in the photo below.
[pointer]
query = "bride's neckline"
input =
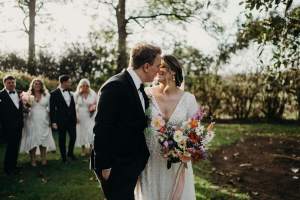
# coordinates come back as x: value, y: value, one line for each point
x: 174, y: 109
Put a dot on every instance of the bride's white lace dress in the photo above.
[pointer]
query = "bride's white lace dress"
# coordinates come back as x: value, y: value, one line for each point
x: 156, y: 181
x: 37, y: 129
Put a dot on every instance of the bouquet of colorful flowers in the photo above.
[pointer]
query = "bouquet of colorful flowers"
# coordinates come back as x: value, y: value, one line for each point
x: 186, y: 142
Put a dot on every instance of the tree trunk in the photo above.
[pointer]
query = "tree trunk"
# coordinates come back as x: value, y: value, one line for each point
x: 122, y: 35
x: 31, y: 34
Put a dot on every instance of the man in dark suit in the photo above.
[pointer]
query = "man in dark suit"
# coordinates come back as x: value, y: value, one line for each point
x: 11, y: 120
x: 63, y: 116
x: 120, y: 151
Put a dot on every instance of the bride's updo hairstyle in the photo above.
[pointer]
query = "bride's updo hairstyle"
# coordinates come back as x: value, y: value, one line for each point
x: 173, y: 64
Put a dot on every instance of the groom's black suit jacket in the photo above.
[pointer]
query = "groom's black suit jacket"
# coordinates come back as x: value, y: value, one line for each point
x: 11, y: 118
x: 60, y: 113
x: 119, y: 125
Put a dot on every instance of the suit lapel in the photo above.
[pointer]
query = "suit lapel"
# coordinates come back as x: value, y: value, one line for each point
x: 62, y: 97
x: 135, y: 92
x: 72, y: 99
x: 6, y: 95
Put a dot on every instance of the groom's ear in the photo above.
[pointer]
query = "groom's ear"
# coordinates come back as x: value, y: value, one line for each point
x: 146, y: 67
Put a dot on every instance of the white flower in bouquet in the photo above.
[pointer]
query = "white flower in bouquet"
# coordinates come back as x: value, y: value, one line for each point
x: 209, y: 136
x: 200, y: 130
x: 178, y: 136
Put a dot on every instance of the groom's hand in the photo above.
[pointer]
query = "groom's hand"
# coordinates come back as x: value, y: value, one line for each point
x: 54, y: 126
x: 105, y: 173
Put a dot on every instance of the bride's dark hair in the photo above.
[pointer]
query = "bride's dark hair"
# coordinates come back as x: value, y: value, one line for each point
x: 173, y: 64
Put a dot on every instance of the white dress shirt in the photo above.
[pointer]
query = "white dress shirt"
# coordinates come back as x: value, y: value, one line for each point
x: 66, y: 95
x: 137, y: 82
x: 14, y: 97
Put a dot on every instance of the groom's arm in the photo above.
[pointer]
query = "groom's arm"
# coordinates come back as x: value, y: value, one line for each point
x: 52, y: 108
x: 108, y: 113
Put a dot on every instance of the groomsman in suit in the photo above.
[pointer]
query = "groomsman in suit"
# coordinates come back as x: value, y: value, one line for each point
x: 11, y: 120
x: 63, y: 116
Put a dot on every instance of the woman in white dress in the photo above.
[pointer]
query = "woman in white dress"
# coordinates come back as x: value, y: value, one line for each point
x: 37, y: 135
x: 85, y: 99
x: 175, y: 106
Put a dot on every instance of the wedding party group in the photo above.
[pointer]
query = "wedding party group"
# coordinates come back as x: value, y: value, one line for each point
x: 143, y: 140
x: 28, y: 119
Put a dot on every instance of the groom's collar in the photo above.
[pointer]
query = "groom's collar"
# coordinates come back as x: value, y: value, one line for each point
x: 136, y: 79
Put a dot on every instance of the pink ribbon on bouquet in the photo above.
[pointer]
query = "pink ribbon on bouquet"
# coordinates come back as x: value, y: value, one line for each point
x: 179, y: 183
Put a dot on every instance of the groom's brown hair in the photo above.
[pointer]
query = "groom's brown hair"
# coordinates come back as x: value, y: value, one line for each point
x: 143, y: 53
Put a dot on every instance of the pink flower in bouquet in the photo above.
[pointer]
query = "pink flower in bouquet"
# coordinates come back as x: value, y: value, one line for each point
x: 162, y: 129
x: 27, y: 99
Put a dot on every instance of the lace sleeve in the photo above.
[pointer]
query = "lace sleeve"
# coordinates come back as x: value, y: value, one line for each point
x: 192, y: 105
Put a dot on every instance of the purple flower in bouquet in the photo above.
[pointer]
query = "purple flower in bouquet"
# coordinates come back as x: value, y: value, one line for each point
x: 166, y: 144
x: 199, y: 114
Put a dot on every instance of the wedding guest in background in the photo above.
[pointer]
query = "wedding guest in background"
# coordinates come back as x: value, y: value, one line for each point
x: 11, y: 120
x: 85, y: 99
x: 63, y: 116
x: 37, y: 135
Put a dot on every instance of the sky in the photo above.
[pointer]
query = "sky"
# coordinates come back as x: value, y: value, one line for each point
x: 68, y: 23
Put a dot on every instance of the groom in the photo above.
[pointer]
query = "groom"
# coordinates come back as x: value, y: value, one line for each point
x: 120, y: 151
x: 63, y: 116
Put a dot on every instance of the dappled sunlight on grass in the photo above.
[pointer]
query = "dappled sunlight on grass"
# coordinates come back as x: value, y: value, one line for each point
x: 75, y: 181
x: 206, y: 189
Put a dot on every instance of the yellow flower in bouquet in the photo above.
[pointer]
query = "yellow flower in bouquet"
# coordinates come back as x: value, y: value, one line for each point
x: 158, y: 122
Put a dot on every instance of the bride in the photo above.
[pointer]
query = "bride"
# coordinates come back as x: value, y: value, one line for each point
x: 175, y: 106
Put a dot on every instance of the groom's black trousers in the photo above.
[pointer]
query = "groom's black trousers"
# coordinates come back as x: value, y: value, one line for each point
x: 12, y: 149
x: 119, y: 186
x: 62, y: 131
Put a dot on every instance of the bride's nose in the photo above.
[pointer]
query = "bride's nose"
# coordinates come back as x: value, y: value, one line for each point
x: 160, y: 72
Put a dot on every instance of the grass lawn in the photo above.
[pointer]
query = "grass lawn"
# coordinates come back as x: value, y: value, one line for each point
x: 74, y: 181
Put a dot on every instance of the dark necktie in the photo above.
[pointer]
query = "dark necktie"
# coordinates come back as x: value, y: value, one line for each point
x: 12, y: 92
x: 146, y: 100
